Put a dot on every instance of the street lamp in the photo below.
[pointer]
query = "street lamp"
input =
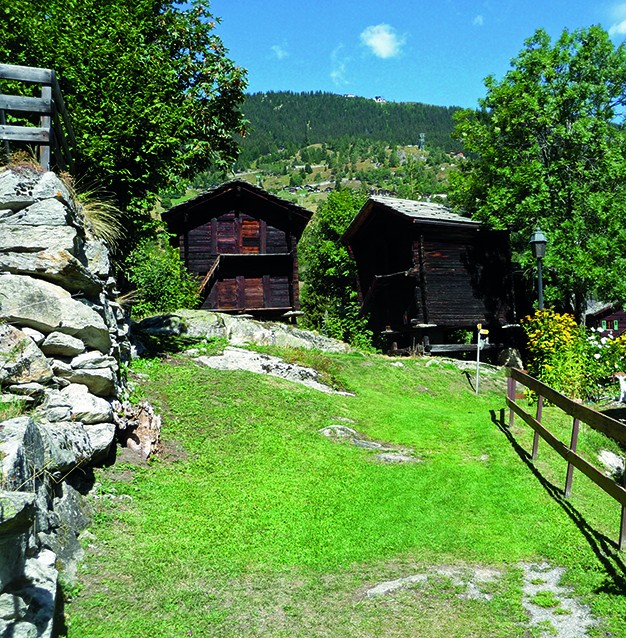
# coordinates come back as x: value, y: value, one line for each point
x: 538, y: 243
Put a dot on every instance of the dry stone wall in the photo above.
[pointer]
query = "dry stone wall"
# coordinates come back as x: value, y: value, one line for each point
x: 62, y: 338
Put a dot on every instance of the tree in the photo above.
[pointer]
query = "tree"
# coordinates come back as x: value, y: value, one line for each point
x: 329, y: 293
x: 151, y: 94
x: 547, y: 148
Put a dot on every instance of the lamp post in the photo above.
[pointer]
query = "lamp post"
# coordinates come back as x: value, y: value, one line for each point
x: 538, y: 243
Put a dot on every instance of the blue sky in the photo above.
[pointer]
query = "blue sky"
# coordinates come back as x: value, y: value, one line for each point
x: 436, y: 52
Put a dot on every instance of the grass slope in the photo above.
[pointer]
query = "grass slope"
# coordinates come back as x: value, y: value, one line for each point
x: 266, y: 528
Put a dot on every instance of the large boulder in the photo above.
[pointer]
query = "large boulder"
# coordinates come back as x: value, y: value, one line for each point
x: 21, y: 361
x: 92, y: 369
x: 21, y: 454
x: 58, y: 267
x: 17, y: 513
x: 20, y: 188
x: 75, y: 403
x: 62, y: 345
x: 49, y: 212
x: 34, y: 239
x: 203, y: 324
x: 48, y: 308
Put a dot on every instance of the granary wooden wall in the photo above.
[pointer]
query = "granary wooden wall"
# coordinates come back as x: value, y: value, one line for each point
x: 242, y: 243
x: 421, y: 265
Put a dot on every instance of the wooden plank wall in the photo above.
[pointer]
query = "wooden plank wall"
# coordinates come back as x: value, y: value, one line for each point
x: 229, y: 234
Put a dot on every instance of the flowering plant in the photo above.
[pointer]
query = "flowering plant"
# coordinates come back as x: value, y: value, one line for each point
x: 570, y: 358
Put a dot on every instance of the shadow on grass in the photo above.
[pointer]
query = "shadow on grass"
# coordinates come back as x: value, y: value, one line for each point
x: 605, y: 549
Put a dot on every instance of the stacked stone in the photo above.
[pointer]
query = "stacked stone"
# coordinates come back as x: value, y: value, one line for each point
x: 62, y: 337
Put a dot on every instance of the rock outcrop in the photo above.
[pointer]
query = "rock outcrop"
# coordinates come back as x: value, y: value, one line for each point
x: 62, y: 339
x: 238, y: 331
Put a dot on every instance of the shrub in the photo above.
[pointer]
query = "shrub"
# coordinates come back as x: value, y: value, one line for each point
x: 570, y: 358
x: 162, y: 282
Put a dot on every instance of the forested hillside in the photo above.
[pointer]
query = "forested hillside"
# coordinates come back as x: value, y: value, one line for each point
x: 302, y: 145
x: 290, y: 121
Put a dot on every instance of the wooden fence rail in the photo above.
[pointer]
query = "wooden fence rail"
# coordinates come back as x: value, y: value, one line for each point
x: 54, y: 136
x: 580, y: 414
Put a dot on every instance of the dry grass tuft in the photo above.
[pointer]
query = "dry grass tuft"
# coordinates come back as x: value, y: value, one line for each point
x: 102, y: 217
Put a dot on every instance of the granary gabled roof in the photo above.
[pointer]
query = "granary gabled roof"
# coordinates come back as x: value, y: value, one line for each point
x: 233, y: 188
x: 415, y: 212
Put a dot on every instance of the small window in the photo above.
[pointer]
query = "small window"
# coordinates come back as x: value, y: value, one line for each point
x: 604, y: 324
x: 615, y: 324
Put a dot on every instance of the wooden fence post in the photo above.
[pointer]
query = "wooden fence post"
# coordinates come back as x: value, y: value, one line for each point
x: 622, y: 526
x: 538, y: 418
x: 511, y: 386
x: 570, y: 467
x: 46, y: 123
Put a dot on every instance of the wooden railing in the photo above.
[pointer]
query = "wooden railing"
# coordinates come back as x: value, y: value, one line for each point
x: 54, y: 136
x: 580, y: 414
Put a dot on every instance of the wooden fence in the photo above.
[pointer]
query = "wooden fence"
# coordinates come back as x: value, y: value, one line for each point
x: 580, y: 414
x: 54, y: 136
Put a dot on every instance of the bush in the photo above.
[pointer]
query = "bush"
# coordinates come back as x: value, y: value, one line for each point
x: 162, y: 282
x: 570, y: 358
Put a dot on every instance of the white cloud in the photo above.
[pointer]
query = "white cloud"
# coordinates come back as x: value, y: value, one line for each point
x: 383, y: 41
x: 339, y: 67
x: 618, y: 27
x: 478, y: 21
x: 279, y: 51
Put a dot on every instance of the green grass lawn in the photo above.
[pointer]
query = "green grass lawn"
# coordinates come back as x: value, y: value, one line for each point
x: 259, y: 526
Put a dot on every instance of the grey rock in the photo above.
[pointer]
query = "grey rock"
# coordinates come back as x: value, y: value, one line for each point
x: 67, y: 445
x: 24, y: 401
x: 203, y: 324
x: 85, y: 406
x: 21, y: 453
x: 338, y: 431
x: 23, y: 187
x: 22, y: 630
x: 41, y: 591
x: 35, y: 335
x: 101, y: 437
x: 97, y: 256
x: 92, y: 360
x: 34, y: 239
x: 21, y: 361
x: 35, y: 390
x: 396, y: 457
x: 17, y: 513
x: 239, y: 359
x: 48, y: 308
x: 58, y: 267
x: 75, y: 402
x: 61, y: 368
x: 59, y: 343
x: 73, y: 514
x: 614, y: 463
x: 12, y: 607
x: 49, y: 212
x: 99, y: 381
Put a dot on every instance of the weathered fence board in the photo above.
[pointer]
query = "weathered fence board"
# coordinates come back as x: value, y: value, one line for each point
x: 26, y: 104
x: 54, y: 130
x: 24, y: 134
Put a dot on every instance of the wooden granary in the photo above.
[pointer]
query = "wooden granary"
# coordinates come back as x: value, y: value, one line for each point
x: 241, y: 241
x: 425, y: 272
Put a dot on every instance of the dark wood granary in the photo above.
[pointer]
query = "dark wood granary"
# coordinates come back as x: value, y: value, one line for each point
x: 242, y: 243
x: 426, y: 271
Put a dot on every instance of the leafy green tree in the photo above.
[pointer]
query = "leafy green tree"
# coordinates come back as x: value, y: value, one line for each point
x: 152, y: 95
x: 548, y: 149
x: 329, y: 294
x: 162, y: 283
